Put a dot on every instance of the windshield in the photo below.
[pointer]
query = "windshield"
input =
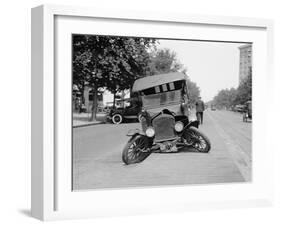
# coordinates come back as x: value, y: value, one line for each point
x: 160, y: 99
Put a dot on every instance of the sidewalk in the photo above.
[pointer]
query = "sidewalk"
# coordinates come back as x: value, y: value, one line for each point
x: 82, y: 119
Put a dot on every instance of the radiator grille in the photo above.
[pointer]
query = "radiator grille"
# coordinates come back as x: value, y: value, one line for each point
x: 164, y: 127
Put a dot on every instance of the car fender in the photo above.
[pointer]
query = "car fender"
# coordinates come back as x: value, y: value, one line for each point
x: 133, y: 132
x: 192, y: 123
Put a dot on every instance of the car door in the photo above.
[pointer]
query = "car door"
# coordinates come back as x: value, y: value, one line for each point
x: 132, y: 110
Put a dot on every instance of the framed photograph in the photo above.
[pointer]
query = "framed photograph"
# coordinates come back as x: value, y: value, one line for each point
x: 137, y: 112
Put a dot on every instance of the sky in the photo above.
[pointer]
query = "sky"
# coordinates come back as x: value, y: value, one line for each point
x: 212, y: 65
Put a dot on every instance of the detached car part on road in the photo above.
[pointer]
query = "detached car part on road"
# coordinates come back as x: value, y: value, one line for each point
x: 164, y: 119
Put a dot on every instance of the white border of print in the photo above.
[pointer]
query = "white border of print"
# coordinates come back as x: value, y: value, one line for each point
x: 52, y: 197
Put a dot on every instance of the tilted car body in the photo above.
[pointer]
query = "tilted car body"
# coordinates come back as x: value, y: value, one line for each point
x: 164, y: 119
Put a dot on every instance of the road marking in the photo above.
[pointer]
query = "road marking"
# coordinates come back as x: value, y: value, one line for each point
x: 241, y: 159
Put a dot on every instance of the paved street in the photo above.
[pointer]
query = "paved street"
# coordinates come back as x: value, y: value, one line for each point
x: 97, y: 159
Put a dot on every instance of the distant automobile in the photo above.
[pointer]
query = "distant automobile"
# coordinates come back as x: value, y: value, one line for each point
x: 213, y: 108
x: 239, y: 108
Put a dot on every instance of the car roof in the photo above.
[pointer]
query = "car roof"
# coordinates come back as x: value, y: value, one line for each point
x: 156, y: 80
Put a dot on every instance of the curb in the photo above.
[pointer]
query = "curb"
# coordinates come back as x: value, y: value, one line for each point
x: 88, y: 124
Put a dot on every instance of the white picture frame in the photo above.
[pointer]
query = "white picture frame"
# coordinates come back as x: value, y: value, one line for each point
x: 52, y: 197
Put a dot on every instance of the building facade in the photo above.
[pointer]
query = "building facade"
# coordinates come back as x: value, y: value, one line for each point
x: 245, y: 61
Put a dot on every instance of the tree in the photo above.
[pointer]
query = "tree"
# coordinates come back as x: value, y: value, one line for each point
x: 244, y: 91
x: 163, y: 61
x: 225, y: 98
x: 193, y: 89
x: 110, y: 62
x: 231, y: 97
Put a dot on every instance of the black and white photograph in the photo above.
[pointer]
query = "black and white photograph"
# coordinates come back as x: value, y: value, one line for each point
x: 150, y: 112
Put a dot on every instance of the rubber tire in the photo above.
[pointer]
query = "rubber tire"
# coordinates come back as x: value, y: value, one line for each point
x: 139, y: 117
x: 117, y: 122
x: 208, y: 143
x: 141, y: 157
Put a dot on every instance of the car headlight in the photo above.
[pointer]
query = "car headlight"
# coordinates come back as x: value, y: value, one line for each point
x: 150, y: 132
x: 179, y: 126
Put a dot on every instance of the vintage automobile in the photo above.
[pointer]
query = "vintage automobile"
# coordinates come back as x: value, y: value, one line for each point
x: 165, y: 125
x: 213, y: 107
x: 239, y: 108
x: 130, y: 112
x: 247, y: 113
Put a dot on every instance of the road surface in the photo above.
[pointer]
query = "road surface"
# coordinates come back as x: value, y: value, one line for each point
x: 97, y: 159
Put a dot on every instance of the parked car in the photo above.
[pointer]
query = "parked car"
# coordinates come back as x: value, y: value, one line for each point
x: 164, y: 119
x: 239, y: 108
x: 130, y: 112
x: 213, y: 108
x: 107, y: 109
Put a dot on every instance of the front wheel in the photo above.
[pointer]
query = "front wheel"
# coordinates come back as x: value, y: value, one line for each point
x: 196, y: 139
x: 136, y: 150
x: 117, y: 119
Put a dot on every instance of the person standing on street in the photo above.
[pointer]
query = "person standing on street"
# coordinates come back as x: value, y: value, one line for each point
x: 200, y: 107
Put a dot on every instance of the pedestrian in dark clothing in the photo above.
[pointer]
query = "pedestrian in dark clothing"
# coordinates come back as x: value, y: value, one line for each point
x: 200, y: 107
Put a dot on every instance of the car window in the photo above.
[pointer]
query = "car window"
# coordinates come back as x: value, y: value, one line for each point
x: 164, y: 88
x: 161, y: 99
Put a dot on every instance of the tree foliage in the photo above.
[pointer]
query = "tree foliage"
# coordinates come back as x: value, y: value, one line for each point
x: 231, y: 97
x: 193, y: 91
x: 111, y: 62
x: 244, y: 91
x: 225, y: 98
x: 163, y: 61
